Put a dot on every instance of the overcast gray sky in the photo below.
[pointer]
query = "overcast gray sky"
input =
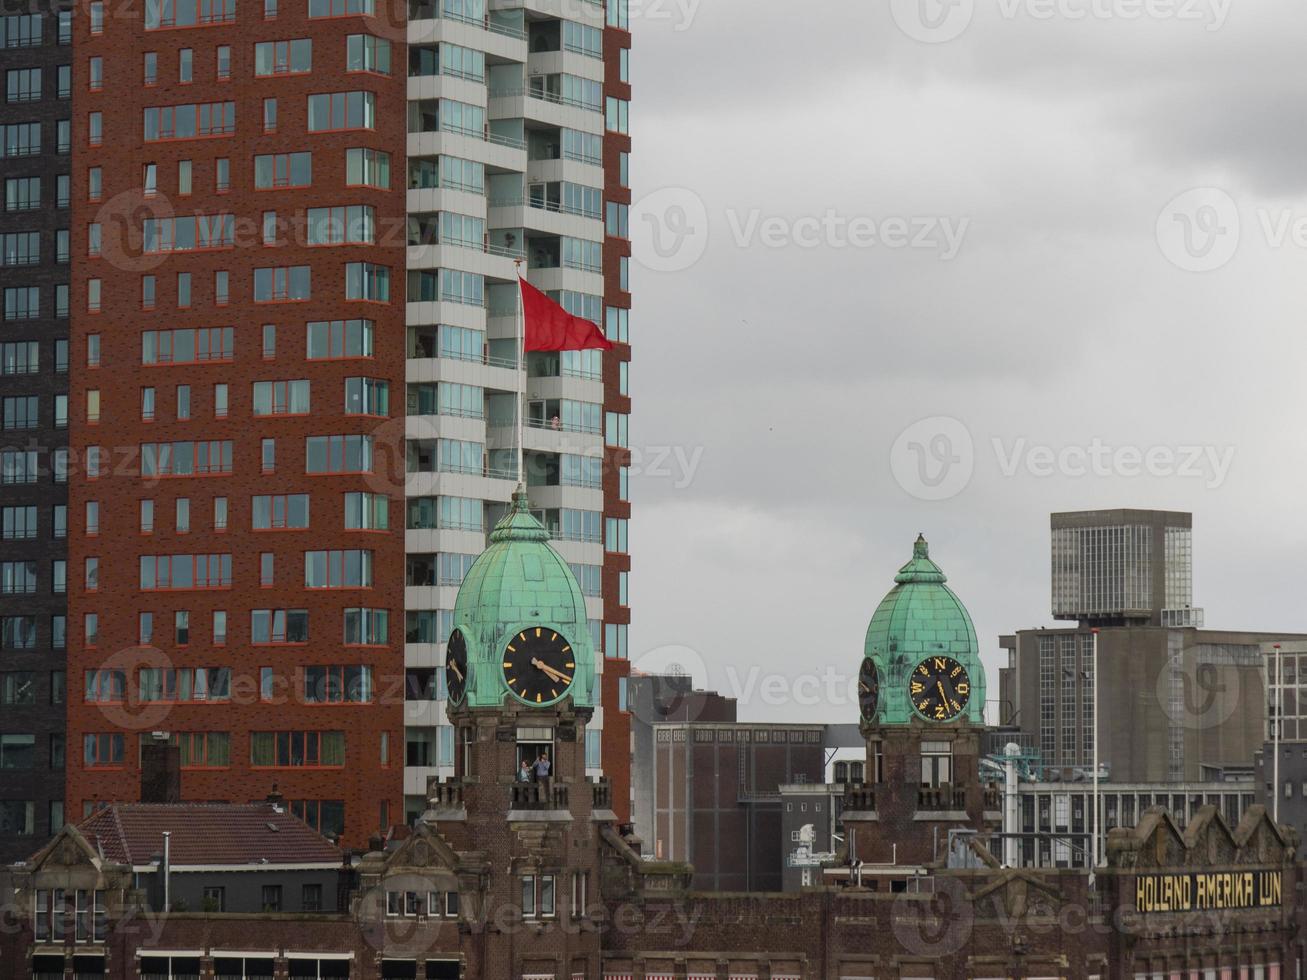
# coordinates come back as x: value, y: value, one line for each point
x: 1079, y: 251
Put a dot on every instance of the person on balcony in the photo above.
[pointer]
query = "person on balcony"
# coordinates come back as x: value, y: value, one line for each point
x: 543, y: 767
x: 524, y: 772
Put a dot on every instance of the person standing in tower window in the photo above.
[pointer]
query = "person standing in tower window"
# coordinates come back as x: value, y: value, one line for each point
x: 542, y: 770
x: 524, y: 772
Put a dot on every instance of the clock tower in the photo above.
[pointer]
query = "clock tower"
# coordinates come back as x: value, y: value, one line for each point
x: 519, y: 823
x: 921, y: 698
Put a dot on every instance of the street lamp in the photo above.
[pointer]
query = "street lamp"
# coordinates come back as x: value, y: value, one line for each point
x: 1093, y: 851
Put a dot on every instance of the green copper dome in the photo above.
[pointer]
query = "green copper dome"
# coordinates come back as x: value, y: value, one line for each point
x: 921, y: 621
x: 518, y: 584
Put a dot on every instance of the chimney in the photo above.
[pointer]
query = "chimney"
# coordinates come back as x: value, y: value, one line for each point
x: 161, y: 770
x: 275, y: 799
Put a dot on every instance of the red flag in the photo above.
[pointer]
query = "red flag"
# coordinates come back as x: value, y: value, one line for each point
x: 550, y: 327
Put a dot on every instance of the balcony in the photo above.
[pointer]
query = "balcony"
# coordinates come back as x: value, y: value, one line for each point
x: 444, y: 795
x: 860, y: 797
x: 945, y: 798
x: 602, y: 794
x: 534, y: 796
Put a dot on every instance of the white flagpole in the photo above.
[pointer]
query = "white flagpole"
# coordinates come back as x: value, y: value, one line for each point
x: 521, y: 380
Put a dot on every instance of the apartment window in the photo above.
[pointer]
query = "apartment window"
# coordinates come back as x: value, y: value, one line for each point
x: 190, y: 121
x: 151, y: 68
x: 147, y: 293
x: 366, y: 627
x: 220, y: 401
x: 617, y: 115
x: 281, y: 398
x: 21, y: 303
x: 17, y: 577
x: 92, y: 242
x: 92, y: 520
x: 105, y: 687
x: 220, y: 513
x: 272, y: 898
x: 20, y: 140
x: 18, y: 523
x: 22, y: 193
x: 367, y: 396
x: 268, y: 455
x: 23, y: 84
x: 300, y: 749
x: 20, y: 31
x: 211, y: 457
x: 222, y: 175
x: 184, y: 173
x: 283, y: 57
x: 346, y: 225
x: 102, y: 750
x: 282, y: 284
x: 280, y: 512
x: 341, y: 8
x: 345, y: 569
x: 95, y: 71
x: 183, y: 290
x: 188, y: 346
x: 181, y: 627
x: 17, y: 632
x: 145, y: 628
x: 367, y: 512
x: 182, y: 515
x: 367, y: 168
x: 338, y: 685
x: 224, y: 63
x: 184, y: 572
x: 342, y: 110
x: 20, y: 412
x: 269, y: 115
x: 334, y: 339
x: 185, y: 65
x: 267, y: 569
x: 311, y: 898
x: 269, y: 9
x: 219, y: 627
x: 338, y: 454
x: 183, y: 402
x: 191, y: 233
x: 269, y: 627
x: 221, y: 283
x: 190, y: 684
x: 363, y: 52
x: 188, y: 13
x: 273, y: 170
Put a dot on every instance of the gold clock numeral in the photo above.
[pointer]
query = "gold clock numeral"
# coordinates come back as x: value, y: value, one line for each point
x: 552, y: 693
x: 508, y: 664
x: 538, y: 632
x: 539, y: 698
x: 918, y: 687
x: 939, y: 712
x: 940, y: 663
x: 964, y: 689
x: 553, y: 637
x: 955, y: 671
x: 922, y: 670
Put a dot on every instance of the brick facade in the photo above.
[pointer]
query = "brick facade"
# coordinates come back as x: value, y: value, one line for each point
x: 369, y: 786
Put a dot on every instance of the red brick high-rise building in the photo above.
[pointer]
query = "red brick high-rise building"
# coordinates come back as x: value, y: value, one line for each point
x: 297, y: 227
x: 236, y: 531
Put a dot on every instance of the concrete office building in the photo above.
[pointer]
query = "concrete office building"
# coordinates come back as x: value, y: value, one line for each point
x: 35, y: 143
x: 1124, y: 567
x: 1176, y: 703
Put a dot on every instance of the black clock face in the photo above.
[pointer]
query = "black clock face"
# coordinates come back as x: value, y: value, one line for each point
x: 456, y: 666
x: 539, y: 665
x: 939, y: 688
x: 868, y: 689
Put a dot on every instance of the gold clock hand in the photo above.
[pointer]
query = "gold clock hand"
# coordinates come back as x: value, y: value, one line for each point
x: 453, y: 665
x: 940, y: 685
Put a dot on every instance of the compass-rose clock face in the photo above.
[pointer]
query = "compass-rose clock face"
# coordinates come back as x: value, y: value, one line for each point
x: 868, y: 689
x: 539, y: 665
x: 939, y: 688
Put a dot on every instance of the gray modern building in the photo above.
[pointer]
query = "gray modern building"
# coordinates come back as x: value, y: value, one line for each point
x: 1175, y: 703
x: 1123, y: 568
x: 35, y: 147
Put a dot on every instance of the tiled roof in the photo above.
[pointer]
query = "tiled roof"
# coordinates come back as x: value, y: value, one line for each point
x: 206, y: 834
